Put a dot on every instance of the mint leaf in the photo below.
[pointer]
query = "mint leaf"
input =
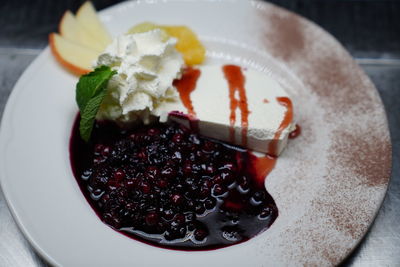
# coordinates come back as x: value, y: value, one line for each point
x: 89, y: 85
x: 90, y: 92
x: 88, y: 115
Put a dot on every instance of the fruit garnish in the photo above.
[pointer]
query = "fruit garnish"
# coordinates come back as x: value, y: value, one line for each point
x: 83, y: 37
x: 73, y: 56
x: 87, y: 18
x: 146, y: 27
x: 81, y: 40
x: 71, y: 30
x: 188, y: 44
x: 90, y: 92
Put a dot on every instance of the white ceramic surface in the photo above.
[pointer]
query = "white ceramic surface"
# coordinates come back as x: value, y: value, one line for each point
x: 326, y: 200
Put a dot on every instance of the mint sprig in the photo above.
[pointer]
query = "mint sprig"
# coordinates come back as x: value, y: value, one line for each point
x: 90, y: 92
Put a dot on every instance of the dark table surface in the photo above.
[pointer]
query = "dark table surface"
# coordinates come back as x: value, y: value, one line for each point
x: 369, y: 29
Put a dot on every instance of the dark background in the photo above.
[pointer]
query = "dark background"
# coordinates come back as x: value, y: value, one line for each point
x: 366, y: 27
x: 369, y: 29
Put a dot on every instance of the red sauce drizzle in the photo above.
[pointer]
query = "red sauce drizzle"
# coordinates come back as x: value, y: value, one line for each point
x: 186, y: 85
x: 287, y: 119
x: 262, y: 167
x: 296, y: 132
x: 236, y: 80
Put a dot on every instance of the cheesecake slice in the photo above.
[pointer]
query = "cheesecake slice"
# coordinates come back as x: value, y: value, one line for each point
x: 235, y: 105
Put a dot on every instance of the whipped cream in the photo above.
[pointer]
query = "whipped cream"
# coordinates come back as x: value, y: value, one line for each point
x: 142, y: 90
x: 146, y: 64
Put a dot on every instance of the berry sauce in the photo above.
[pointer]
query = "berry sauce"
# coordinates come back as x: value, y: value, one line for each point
x: 168, y: 186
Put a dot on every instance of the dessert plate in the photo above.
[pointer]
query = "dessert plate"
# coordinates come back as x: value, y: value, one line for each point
x: 328, y: 184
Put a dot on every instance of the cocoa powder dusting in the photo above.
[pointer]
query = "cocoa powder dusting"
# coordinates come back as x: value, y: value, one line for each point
x: 312, y: 247
x: 330, y: 182
x: 284, y: 37
x: 337, y: 79
x: 362, y: 154
x: 318, y: 60
x: 346, y: 221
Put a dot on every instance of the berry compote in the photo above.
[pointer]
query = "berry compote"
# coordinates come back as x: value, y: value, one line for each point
x: 168, y: 186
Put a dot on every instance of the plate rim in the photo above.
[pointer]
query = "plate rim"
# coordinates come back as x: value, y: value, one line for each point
x: 28, y: 72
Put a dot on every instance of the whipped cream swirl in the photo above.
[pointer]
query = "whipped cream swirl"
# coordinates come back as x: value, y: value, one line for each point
x: 146, y: 64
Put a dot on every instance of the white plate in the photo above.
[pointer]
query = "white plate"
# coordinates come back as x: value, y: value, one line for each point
x: 328, y: 184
